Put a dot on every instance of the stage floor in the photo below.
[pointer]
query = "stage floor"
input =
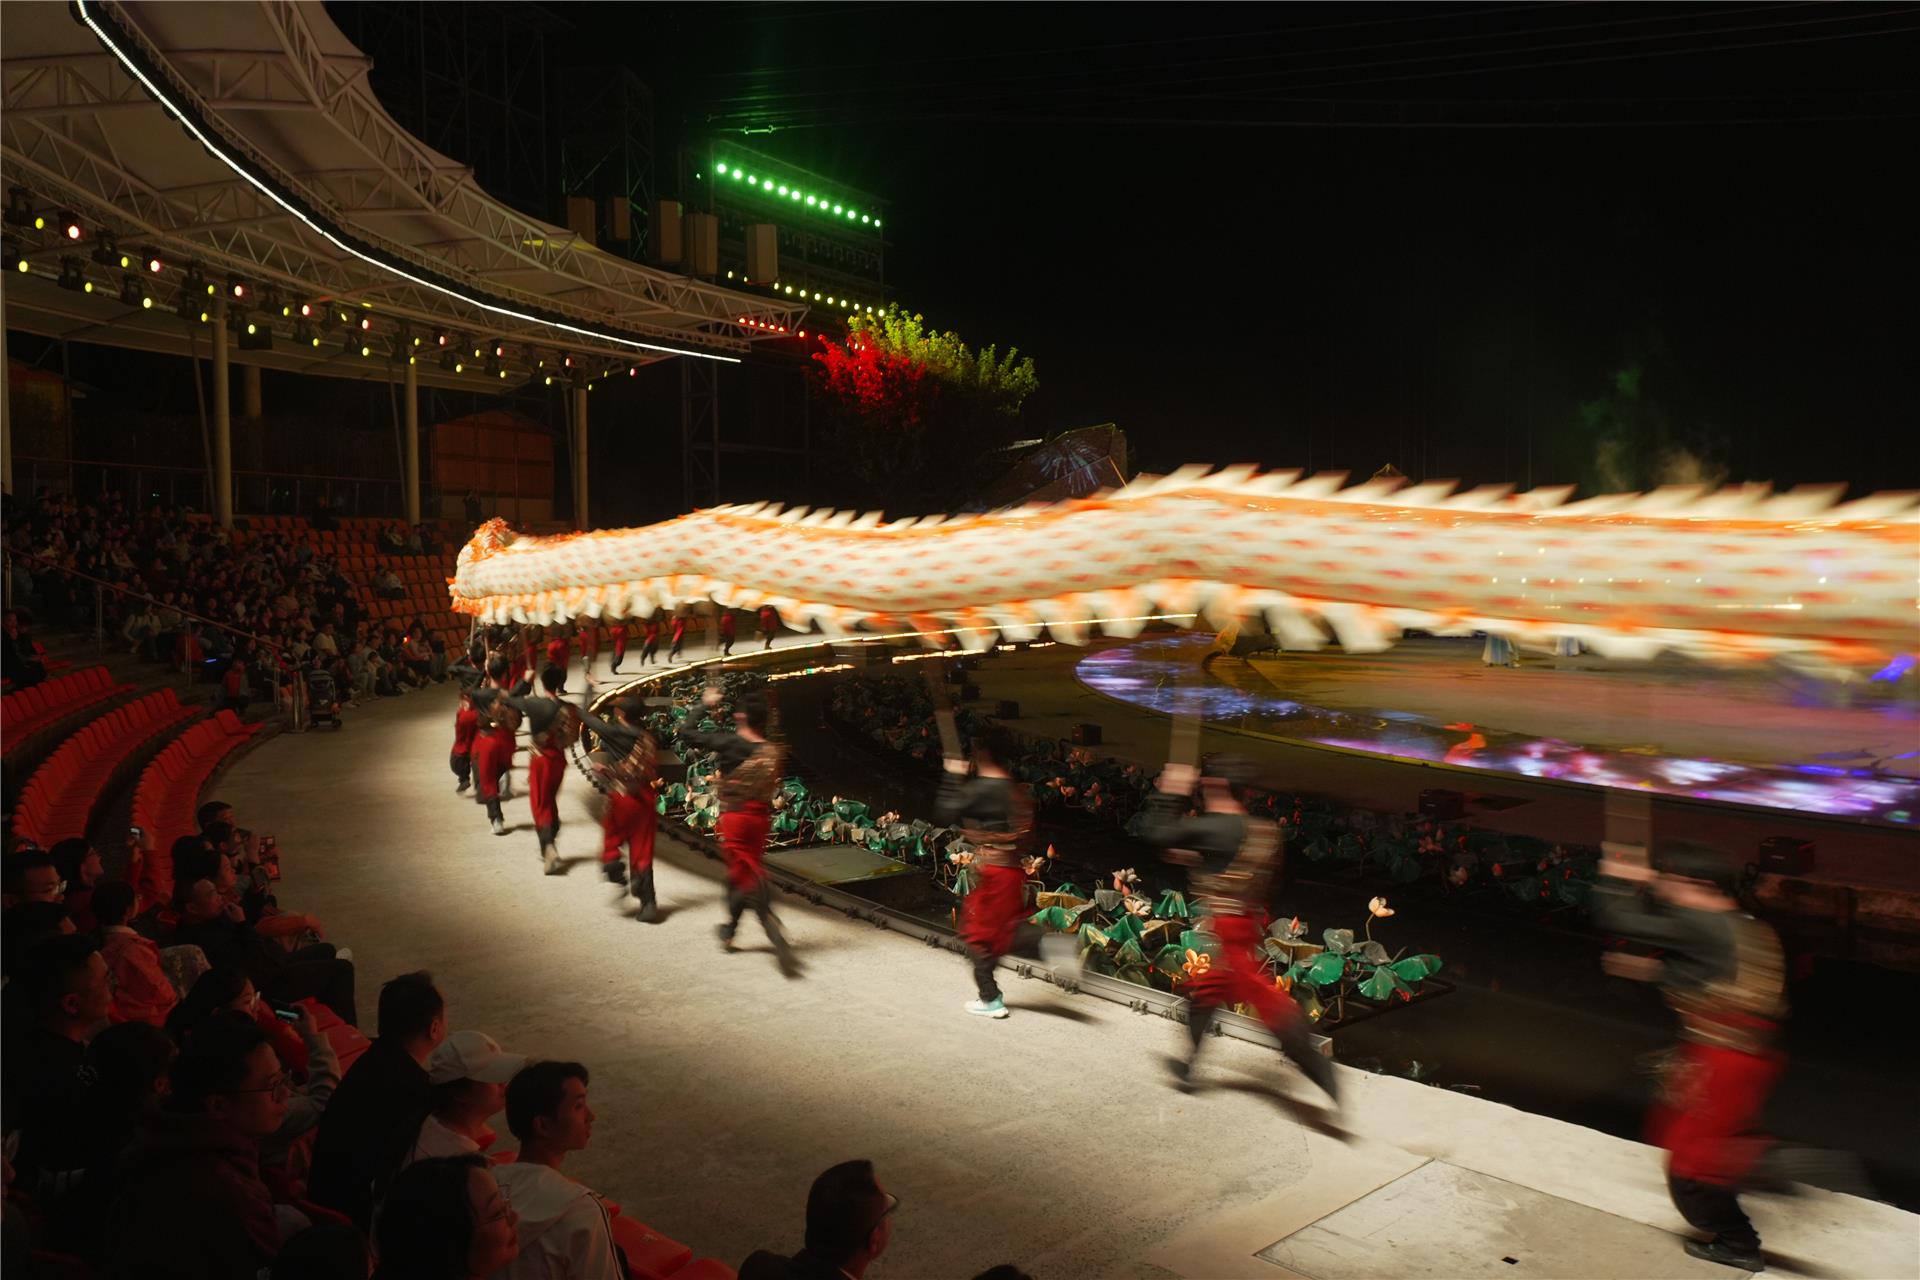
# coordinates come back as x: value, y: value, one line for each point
x: 1748, y: 737
x: 721, y: 1089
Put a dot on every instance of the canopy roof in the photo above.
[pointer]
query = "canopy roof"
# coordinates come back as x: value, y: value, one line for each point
x: 244, y: 138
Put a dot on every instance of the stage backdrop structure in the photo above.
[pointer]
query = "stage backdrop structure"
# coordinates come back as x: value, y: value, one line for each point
x: 1735, y: 574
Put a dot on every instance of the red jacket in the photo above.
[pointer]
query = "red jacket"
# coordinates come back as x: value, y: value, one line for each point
x: 679, y: 627
x: 726, y: 624
x: 557, y: 651
x: 141, y: 992
x: 190, y: 1203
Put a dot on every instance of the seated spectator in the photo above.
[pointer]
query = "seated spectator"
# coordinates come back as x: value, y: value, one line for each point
x: 388, y: 585
x: 129, y: 1064
x: 58, y: 1000
x: 141, y: 992
x: 190, y: 1202
x: 19, y: 657
x: 418, y: 657
x: 446, y: 1219
x: 224, y: 990
x: 25, y: 923
x: 81, y: 870
x: 377, y: 1108
x: 218, y: 927
x: 328, y: 1252
x: 849, y: 1224
x: 469, y: 1072
x: 323, y: 519
x: 32, y: 876
x: 564, y: 1231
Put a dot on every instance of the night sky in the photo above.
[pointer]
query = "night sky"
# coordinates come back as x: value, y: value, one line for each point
x: 1149, y: 201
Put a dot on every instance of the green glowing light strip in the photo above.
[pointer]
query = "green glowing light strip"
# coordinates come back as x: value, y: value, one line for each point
x: 793, y: 193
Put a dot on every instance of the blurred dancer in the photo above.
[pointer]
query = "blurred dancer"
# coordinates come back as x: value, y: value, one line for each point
x: 995, y: 815
x: 679, y: 634
x: 559, y: 652
x: 727, y: 625
x: 619, y: 643
x: 1722, y: 972
x: 589, y: 647
x: 466, y: 727
x: 650, y: 635
x: 629, y: 760
x: 1233, y: 859
x: 493, y: 748
x: 553, y: 725
x: 769, y: 619
x: 749, y: 773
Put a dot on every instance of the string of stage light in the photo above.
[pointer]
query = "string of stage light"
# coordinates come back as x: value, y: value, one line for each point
x: 86, y: 10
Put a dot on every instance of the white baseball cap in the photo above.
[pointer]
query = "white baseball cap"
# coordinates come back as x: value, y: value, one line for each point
x: 473, y: 1055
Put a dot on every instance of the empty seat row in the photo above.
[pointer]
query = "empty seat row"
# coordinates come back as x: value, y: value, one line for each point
x: 59, y: 799
x: 27, y: 711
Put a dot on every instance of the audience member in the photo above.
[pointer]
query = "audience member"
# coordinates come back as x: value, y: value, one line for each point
x: 26, y: 923
x: 470, y: 1072
x: 190, y: 1202
x: 58, y: 1001
x: 849, y: 1224
x: 32, y: 876
x: 446, y: 1219
x: 564, y: 1231
x: 19, y: 658
x: 141, y: 991
x: 378, y: 1106
x: 81, y: 870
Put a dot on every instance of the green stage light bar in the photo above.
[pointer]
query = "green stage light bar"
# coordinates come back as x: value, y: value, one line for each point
x: 796, y: 193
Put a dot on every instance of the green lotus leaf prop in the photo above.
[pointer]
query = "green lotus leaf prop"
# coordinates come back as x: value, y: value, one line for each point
x: 1382, y: 984
x: 1053, y: 918
x: 1109, y: 899
x: 1127, y: 927
x: 965, y: 881
x: 1326, y: 969
x: 1339, y: 941
x: 1055, y: 898
x: 1173, y: 905
x: 1416, y: 968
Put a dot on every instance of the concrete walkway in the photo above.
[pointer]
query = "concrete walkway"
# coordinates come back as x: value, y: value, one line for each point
x: 1051, y: 1140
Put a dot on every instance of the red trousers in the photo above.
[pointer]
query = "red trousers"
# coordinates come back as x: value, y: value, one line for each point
x: 545, y: 768
x: 492, y: 757
x: 629, y: 820
x: 619, y: 643
x: 743, y: 836
x: 1234, y: 975
x: 1711, y: 1102
x: 993, y: 911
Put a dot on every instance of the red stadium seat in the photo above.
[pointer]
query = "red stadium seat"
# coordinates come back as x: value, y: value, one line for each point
x: 650, y: 1255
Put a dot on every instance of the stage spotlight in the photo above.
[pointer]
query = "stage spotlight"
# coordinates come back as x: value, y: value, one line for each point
x: 493, y: 364
x: 365, y: 351
x: 72, y: 277
x: 107, y: 251
x: 16, y: 260
x: 133, y: 291
x: 69, y: 225
x: 186, y: 306
x: 255, y: 337
x: 447, y: 360
x: 500, y: 350
x: 309, y: 310
x: 549, y: 380
x: 236, y: 288
x: 303, y: 334
x: 633, y: 371
x: 195, y: 283
x: 151, y: 260
x: 366, y: 324
x: 19, y: 207
x: 441, y: 340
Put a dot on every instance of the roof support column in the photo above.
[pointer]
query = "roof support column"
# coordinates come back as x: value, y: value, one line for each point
x: 580, y: 458
x: 412, y: 478
x: 6, y: 410
x: 222, y: 418
x: 250, y: 392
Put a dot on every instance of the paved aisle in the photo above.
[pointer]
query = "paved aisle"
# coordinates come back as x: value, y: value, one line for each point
x: 1050, y: 1139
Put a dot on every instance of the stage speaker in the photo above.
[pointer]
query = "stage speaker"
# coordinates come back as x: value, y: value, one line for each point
x: 700, y: 235
x: 1446, y: 806
x: 763, y: 253
x: 664, y: 245
x: 583, y: 217
x: 1786, y: 856
x: 1007, y: 709
x: 1086, y: 735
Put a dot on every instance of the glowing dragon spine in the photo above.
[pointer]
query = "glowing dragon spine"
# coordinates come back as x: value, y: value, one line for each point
x: 1722, y: 575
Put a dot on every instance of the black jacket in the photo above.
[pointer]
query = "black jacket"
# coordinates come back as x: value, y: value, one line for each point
x: 377, y: 1107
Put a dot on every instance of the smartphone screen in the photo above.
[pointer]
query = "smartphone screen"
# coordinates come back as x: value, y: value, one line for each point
x: 286, y: 1015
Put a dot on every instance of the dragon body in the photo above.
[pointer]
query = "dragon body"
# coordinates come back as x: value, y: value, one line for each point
x: 1738, y: 573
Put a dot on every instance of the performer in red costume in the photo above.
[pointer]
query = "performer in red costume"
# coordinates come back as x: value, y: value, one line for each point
x: 769, y: 624
x: 650, y: 650
x: 1723, y: 973
x: 628, y: 759
x: 679, y: 634
x: 749, y: 773
x: 558, y: 651
x: 466, y: 727
x: 553, y: 725
x: 995, y: 815
x: 589, y: 647
x: 727, y: 625
x: 619, y: 631
x: 1233, y: 859
x: 493, y: 749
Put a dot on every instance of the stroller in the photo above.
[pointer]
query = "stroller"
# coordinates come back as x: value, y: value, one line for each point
x: 323, y: 704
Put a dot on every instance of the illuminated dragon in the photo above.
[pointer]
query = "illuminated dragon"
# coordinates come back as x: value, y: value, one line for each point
x: 1737, y: 573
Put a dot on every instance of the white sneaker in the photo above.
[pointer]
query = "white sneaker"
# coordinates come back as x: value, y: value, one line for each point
x: 499, y: 827
x: 550, y: 859
x: 987, y: 1008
